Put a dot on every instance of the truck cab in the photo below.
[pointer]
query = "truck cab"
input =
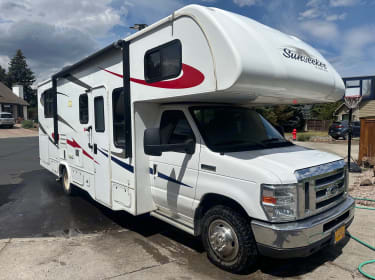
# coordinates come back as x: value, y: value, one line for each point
x: 228, y: 174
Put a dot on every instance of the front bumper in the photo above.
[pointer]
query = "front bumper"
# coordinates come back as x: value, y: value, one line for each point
x: 302, y: 238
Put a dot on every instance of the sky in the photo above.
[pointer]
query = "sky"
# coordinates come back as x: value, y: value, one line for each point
x: 56, y: 33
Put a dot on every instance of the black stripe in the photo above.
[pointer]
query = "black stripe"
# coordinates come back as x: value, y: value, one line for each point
x: 77, y: 81
x: 65, y: 122
x: 62, y: 94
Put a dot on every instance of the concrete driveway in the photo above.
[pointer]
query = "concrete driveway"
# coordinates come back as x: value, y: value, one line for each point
x: 17, y: 131
x: 46, y: 235
x: 338, y: 147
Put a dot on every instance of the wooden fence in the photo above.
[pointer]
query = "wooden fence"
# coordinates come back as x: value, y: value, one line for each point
x: 367, y: 141
x: 318, y: 125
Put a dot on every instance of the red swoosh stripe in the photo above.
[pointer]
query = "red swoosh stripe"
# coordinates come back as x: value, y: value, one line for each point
x: 74, y: 144
x: 191, y: 77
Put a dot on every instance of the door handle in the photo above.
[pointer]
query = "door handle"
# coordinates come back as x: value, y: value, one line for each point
x: 154, y: 169
x: 95, y: 149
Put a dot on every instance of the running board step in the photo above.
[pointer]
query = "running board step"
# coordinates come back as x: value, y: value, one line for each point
x: 172, y: 222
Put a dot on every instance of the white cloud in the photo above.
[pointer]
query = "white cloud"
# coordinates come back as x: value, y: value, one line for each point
x: 321, y: 29
x: 53, y: 33
x: 343, y: 3
x: 335, y: 17
x: 309, y: 14
x: 243, y: 3
x: 4, y: 61
x: 356, y: 52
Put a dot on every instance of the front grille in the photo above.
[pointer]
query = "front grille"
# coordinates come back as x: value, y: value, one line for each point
x: 328, y: 201
x: 329, y: 179
x: 320, y: 188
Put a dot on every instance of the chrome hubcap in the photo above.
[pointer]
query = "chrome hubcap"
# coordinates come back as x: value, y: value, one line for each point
x: 223, y: 240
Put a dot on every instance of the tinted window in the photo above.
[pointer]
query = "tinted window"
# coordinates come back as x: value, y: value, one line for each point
x: 163, y: 62
x: 118, y: 108
x: 174, y: 128
x: 83, y: 109
x: 48, y: 103
x: 99, y: 114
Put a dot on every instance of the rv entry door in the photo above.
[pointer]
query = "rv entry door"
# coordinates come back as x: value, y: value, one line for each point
x: 100, y: 144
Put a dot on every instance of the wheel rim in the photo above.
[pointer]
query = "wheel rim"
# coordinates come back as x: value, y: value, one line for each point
x: 223, y: 240
x: 66, y: 181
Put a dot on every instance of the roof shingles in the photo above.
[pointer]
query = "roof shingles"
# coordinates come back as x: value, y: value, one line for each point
x: 8, y: 97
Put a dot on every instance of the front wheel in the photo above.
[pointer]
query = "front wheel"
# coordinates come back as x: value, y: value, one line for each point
x: 228, y: 239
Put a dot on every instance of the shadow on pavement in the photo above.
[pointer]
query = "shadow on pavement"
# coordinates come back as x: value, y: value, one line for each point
x: 37, y: 206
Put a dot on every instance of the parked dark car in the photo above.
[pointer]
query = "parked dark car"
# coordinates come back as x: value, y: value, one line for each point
x: 341, y: 129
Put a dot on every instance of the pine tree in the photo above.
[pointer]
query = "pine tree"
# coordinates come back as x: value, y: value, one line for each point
x: 20, y: 73
x: 3, y: 75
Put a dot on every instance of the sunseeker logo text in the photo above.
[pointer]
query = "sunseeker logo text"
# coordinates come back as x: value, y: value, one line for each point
x: 288, y: 53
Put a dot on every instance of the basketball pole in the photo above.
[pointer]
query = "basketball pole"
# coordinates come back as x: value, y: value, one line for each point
x: 350, y: 137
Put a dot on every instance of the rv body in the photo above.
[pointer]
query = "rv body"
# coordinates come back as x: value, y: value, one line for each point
x: 126, y: 125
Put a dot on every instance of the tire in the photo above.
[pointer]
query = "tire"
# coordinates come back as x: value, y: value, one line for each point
x: 67, y: 187
x: 335, y: 137
x: 344, y: 136
x: 239, y: 253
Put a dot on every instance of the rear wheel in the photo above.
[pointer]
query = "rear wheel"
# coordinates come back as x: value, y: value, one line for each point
x: 228, y: 239
x: 67, y: 187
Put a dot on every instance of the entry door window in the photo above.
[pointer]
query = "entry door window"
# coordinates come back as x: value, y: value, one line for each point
x: 99, y: 114
x: 175, y: 128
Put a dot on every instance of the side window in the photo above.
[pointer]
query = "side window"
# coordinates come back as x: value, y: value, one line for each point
x: 118, y: 108
x: 174, y: 128
x: 83, y: 109
x: 99, y: 114
x: 48, y: 103
x: 163, y: 62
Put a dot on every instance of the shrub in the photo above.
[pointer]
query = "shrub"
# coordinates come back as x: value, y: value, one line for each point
x: 303, y: 137
x: 27, y: 124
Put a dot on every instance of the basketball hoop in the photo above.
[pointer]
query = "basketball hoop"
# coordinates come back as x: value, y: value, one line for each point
x: 352, y: 101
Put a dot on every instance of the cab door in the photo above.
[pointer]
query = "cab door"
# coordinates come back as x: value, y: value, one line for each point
x: 100, y: 144
x: 175, y: 173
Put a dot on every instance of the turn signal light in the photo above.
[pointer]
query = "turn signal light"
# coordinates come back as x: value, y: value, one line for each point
x: 269, y: 199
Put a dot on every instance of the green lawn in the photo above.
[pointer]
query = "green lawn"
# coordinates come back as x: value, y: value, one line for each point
x: 308, y: 133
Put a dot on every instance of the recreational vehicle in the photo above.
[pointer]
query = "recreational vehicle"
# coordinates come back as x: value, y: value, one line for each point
x: 163, y: 122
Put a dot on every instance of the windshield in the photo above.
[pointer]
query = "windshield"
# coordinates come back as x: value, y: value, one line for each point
x: 233, y: 129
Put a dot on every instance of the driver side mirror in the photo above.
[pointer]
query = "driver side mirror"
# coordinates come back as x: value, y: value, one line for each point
x: 152, y: 144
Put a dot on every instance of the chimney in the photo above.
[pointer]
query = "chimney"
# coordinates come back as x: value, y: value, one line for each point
x: 18, y: 90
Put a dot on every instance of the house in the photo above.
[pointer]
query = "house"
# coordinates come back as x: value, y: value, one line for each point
x: 364, y: 86
x: 12, y: 101
x: 342, y: 113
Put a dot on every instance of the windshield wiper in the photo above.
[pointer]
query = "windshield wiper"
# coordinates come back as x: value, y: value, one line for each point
x: 277, y: 141
x: 274, y: 140
x: 239, y: 143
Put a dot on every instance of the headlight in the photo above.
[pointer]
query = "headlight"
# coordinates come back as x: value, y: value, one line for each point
x: 280, y: 202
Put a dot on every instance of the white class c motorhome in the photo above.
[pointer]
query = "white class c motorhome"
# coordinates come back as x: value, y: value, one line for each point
x: 161, y: 123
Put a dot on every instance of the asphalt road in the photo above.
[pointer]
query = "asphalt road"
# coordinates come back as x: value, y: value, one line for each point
x: 32, y: 202
x: 47, y: 235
